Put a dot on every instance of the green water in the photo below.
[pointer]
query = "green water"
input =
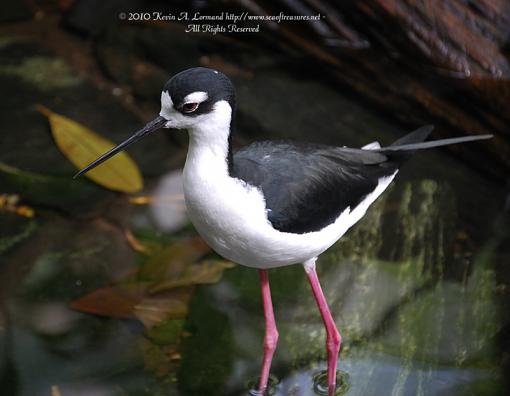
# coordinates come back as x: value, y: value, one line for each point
x: 418, y: 288
x: 416, y: 318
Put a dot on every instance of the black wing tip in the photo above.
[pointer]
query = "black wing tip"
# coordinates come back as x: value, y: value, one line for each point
x: 417, y: 136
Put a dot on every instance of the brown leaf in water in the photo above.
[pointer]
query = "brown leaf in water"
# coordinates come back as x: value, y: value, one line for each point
x: 170, y: 261
x: 117, y: 301
x: 153, y: 310
x: 159, y: 359
x: 207, y: 271
x: 161, y: 289
x: 82, y: 146
x: 127, y: 301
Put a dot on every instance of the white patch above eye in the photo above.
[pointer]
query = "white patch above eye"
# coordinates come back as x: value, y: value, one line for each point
x: 196, y: 97
x: 166, y: 100
x: 167, y: 105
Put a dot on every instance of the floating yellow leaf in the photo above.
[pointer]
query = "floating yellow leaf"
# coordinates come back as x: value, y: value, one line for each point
x: 82, y: 146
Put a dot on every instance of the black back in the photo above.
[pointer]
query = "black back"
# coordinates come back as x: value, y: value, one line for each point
x: 307, y: 186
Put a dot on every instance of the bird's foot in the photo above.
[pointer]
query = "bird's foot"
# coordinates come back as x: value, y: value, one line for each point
x: 321, y: 386
x: 253, y: 387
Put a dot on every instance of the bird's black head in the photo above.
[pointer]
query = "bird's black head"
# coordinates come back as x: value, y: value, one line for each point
x: 195, y: 91
x: 200, y: 100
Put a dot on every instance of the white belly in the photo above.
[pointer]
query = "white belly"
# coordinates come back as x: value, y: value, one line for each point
x: 231, y: 217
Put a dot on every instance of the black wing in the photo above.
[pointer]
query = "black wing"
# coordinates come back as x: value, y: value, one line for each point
x: 306, y: 187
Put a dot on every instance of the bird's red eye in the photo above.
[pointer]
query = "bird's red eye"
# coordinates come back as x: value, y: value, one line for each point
x: 189, y: 107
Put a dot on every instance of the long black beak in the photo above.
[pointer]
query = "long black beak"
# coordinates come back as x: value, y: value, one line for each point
x: 151, y: 126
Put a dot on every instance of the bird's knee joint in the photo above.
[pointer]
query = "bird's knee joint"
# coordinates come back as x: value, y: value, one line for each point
x: 271, y: 340
x: 334, y: 340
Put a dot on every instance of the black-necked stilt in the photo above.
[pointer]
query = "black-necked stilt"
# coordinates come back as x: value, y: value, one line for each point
x: 272, y: 203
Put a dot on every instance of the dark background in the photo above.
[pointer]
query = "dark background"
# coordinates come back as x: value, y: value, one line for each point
x: 367, y: 70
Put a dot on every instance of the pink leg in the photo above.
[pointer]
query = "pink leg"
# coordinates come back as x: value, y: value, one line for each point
x: 271, y: 337
x: 333, y: 339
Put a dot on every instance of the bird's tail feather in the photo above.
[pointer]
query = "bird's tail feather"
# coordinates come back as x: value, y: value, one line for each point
x: 416, y: 136
x: 415, y: 141
x: 433, y: 143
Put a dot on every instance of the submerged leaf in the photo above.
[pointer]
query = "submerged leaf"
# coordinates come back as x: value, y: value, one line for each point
x: 161, y: 289
x: 60, y: 192
x: 161, y: 359
x: 167, y: 333
x: 170, y: 261
x: 207, y: 271
x: 82, y: 146
x: 117, y: 301
x: 154, y: 310
x: 131, y: 300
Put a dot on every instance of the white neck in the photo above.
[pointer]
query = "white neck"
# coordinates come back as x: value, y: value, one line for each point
x: 209, y: 141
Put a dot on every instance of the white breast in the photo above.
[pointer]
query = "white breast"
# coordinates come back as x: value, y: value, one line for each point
x: 231, y: 216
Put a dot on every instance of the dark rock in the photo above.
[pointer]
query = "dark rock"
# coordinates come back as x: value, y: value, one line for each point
x: 444, y: 63
x: 145, y: 79
x: 63, y: 93
x: 91, y: 17
x: 14, y: 11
